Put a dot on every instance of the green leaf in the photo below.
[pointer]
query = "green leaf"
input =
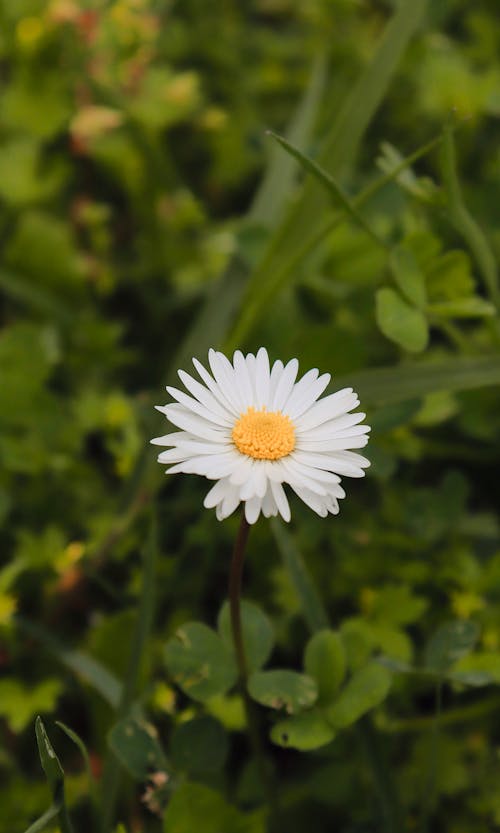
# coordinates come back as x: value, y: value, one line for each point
x: 450, y: 642
x: 195, y: 807
x: 306, y: 731
x: 400, y: 322
x: 258, y: 635
x: 473, y: 307
x: 199, y: 746
x: 72, y: 735
x: 325, y: 662
x: 366, y: 689
x: 485, y: 664
x: 283, y: 689
x: 50, y: 762
x: 382, y: 385
x: 408, y: 275
x: 358, y: 641
x: 135, y: 743
x: 55, y: 776
x: 200, y: 662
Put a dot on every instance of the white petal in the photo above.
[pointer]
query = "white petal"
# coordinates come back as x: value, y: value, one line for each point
x: 276, y: 374
x: 242, y: 470
x: 172, y: 438
x: 315, y: 502
x: 335, y: 462
x: 305, y: 393
x: 195, y: 424
x: 327, y: 408
x: 205, y: 397
x: 298, y: 474
x: 269, y: 508
x: 217, y: 493
x: 215, y: 388
x: 197, y: 408
x: 281, y: 500
x: 252, y: 509
x: 223, y: 372
x: 228, y: 505
x: 262, y: 378
x: 242, y: 380
x: 285, y: 384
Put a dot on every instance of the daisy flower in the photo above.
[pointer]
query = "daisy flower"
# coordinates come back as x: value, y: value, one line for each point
x: 252, y: 428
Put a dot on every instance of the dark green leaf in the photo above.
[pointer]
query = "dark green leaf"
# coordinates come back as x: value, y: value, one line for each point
x: 199, y: 745
x: 450, y: 642
x: 200, y: 661
x: 136, y: 745
x: 258, y: 635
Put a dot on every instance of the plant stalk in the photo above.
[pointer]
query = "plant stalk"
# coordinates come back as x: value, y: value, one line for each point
x: 235, y: 584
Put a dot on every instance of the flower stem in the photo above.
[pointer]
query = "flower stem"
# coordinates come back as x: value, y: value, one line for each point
x: 235, y: 582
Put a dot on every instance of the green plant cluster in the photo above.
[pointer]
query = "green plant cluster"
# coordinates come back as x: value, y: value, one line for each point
x: 147, y: 214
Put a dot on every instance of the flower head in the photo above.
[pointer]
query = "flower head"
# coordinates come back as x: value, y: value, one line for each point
x: 252, y: 428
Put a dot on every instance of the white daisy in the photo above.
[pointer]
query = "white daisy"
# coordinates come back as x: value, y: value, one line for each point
x: 253, y: 428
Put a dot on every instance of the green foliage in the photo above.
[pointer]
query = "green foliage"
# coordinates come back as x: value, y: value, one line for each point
x: 258, y: 636
x: 177, y: 176
x: 200, y: 662
x: 283, y: 690
x: 136, y: 744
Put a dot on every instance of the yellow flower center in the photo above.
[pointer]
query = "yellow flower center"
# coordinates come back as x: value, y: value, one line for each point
x: 264, y: 435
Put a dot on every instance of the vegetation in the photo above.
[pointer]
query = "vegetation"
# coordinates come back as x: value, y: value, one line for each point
x: 147, y: 214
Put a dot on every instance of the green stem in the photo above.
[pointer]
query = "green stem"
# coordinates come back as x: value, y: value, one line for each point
x: 235, y: 584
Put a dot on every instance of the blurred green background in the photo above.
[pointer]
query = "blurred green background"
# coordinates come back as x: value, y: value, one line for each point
x: 145, y: 215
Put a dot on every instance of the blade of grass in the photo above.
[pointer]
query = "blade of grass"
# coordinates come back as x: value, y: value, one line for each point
x: 332, y: 187
x: 72, y: 735
x: 43, y: 821
x: 275, y: 188
x: 112, y: 767
x: 54, y: 774
x: 464, y: 222
x: 312, y: 607
x: 384, y: 385
x: 283, y: 272
x: 83, y: 665
x: 339, y: 149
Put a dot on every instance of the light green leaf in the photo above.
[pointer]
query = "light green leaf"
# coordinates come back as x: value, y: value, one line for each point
x: 306, y: 731
x: 19, y: 703
x: 473, y: 307
x: 408, y: 275
x: 401, y: 322
x: 200, y: 661
x: 199, y: 746
x: 258, y: 635
x: 283, y: 690
x: 325, y: 662
x: 366, y: 689
x: 195, y: 807
x: 450, y: 642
